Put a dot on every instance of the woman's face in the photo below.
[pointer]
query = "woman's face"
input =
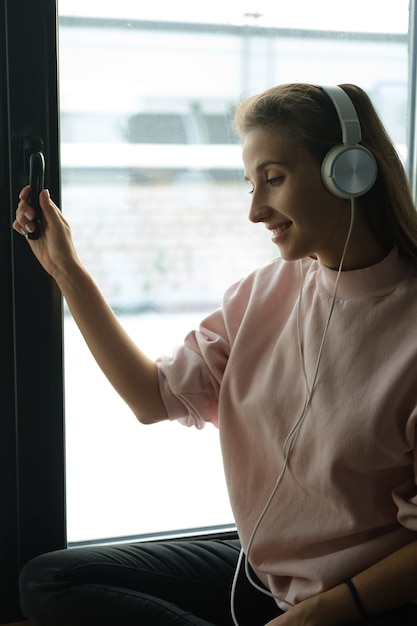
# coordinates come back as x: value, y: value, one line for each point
x: 289, y: 197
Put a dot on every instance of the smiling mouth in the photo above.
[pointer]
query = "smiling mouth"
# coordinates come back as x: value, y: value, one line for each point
x: 280, y: 229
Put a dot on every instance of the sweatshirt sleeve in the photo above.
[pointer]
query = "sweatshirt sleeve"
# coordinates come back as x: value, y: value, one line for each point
x: 190, y: 379
x: 405, y: 496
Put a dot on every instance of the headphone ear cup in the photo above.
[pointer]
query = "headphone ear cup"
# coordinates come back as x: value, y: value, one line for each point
x: 348, y: 171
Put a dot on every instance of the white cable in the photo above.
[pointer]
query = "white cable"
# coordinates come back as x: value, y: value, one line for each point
x: 291, y: 437
x: 234, y: 584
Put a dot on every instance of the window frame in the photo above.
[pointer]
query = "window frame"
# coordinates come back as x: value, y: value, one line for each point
x: 32, y: 484
x: 412, y: 99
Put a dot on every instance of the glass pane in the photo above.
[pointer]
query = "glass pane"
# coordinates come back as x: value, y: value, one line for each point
x: 153, y: 188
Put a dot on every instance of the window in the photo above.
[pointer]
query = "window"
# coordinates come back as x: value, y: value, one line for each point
x: 152, y: 186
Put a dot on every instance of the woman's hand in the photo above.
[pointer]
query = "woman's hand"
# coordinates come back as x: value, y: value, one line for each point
x: 384, y: 586
x: 54, y: 248
x: 300, y: 615
x: 275, y: 622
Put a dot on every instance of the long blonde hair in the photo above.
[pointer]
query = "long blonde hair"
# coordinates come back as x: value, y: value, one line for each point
x: 307, y: 116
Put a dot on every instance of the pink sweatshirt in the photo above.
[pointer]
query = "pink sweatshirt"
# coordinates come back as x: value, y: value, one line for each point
x: 349, y: 494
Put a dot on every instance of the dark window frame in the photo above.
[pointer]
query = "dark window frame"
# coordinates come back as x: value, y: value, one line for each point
x: 32, y: 485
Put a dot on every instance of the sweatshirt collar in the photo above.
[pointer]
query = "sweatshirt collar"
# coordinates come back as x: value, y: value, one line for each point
x: 371, y: 282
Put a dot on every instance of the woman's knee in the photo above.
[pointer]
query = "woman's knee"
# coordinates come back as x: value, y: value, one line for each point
x: 37, y: 580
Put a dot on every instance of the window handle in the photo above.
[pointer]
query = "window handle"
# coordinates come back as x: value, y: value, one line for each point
x: 36, y: 184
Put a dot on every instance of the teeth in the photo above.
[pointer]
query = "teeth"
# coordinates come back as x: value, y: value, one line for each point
x: 281, y: 229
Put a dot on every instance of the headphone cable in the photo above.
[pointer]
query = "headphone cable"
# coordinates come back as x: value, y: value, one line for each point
x: 292, y: 435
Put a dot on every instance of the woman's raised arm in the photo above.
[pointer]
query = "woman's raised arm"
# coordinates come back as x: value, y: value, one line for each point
x: 130, y: 371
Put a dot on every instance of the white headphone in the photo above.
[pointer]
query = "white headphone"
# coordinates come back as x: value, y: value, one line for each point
x: 348, y: 169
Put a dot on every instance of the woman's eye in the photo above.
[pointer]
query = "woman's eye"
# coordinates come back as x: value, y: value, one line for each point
x: 275, y: 180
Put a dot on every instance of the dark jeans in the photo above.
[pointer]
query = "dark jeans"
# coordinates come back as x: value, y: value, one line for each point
x: 151, y: 584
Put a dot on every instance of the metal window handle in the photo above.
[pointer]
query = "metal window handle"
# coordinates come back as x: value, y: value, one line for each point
x: 36, y: 184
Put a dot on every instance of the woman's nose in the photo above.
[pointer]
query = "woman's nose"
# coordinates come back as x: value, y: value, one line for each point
x: 258, y: 210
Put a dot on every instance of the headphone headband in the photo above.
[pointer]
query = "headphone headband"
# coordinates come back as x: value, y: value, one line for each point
x: 351, y: 128
x: 348, y: 169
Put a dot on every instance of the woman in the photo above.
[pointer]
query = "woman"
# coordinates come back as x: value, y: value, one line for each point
x: 309, y: 370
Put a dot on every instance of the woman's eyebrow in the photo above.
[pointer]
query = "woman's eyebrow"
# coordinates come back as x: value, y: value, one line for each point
x: 266, y: 164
